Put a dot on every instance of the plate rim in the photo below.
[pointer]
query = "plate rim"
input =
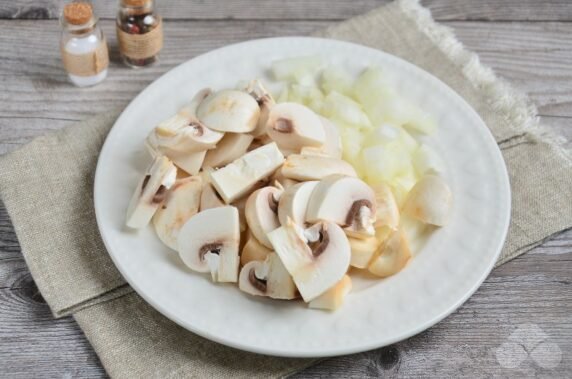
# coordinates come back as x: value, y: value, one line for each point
x: 272, y: 351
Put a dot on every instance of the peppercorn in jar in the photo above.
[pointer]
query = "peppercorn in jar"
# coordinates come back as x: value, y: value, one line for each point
x: 139, y: 32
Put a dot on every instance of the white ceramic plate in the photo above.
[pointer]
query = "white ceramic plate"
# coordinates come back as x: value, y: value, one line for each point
x: 450, y: 267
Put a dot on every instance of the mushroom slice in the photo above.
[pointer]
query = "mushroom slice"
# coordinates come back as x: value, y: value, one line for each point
x: 317, y: 258
x: 181, y: 204
x: 239, y: 177
x: 240, y: 204
x: 392, y: 255
x: 430, y: 201
x: 333, y: 143
x: 210, y: 198
x: 231, y: 147
x: 315, y: 167
x: 345, y: 200
x: 229, y: 111
x: 280, y: 178
x: 294, y: 126
x: 387, y: 213
x: 363, y: 250
x: 265, y: 102
x: 190, y: 110
x: 333, y: 298
x: 182, y: 134
x: 294, y: 203
x: 262, y: 213
x: 150, y: 192
x: 253, y: 250
x: 267, y: 278
x: 188, y: 162
x: 209, y: 241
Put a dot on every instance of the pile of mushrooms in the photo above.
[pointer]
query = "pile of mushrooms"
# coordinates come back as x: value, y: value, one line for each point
x: 256, y: 193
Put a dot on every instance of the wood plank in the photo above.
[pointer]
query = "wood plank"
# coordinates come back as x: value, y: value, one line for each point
x: 490, y: 10
x: 533, y: 56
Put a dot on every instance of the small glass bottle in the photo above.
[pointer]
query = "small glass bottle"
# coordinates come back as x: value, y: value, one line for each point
x: 83, y: 46
x: 139, y: 32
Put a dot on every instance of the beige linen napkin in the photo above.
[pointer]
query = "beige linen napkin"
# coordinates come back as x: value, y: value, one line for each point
x: 47, y: 189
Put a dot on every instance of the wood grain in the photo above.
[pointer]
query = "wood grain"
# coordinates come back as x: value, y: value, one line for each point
x: 36, y: 95
x: 533, y: 290
x: 481, y: 10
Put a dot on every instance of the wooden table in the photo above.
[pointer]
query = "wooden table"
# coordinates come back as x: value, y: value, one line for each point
x: 529, y: 42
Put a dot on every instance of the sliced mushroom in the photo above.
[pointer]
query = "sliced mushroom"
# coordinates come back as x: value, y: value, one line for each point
x: 209, y: 241
x: 294, y: 126
x: 190, y: 110
x: 294, y: 202
x: 253, y: 250
x: 267, y: 278
x: 150, y: 192
x: 240, y: 205
x: 182, y: 202
x: 387, y: 213
x: 311, y: 150
x: 391, y: 256
x: 265, y: 102
x: 333, y: 298
x: 345, y: 200
x: 188, y: 162
x: 429, y: 201
x: 210, y: 198
x: 333, y: 143
x: 183, y: 132
x: 229, y: 111
x: 280, y: 178
x: 231, y: 147
x: 315, y: 167
x: 262, y: 213
x: 317, y: 258
x: 363, y: 250
x: 239, y: 177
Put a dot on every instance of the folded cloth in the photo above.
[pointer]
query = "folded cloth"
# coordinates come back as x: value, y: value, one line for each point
x: 47, y: 187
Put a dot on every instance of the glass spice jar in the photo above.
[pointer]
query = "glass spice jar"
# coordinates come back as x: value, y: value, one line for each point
x: 83, y: 46
x: 139, y: 32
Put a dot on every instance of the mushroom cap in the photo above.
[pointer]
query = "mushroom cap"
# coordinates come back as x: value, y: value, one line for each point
x: 430, y: 201
x: 190, y: 110
x: 185, y: 135
x: 267, y: 278
x: 213, y: 232
x: 315, y: 265
x: 294, y: 202
x: 229, y: 111
x: 182, y: 202
x: 294, y: 126
x: 250, y: 283
x: 232, y: 146
x: 333, y: 298
x: 392, y: 255
x: 253, y: 250
x: 333, y: 142
x: 345, y: 200
x: 315, y: 167
x: 265, y: 102
x: 262, y: 213
x: 150, y: 192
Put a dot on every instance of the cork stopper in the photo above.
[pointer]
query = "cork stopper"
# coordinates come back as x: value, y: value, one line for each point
x: 78, y: 13
x: 136, y: 3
